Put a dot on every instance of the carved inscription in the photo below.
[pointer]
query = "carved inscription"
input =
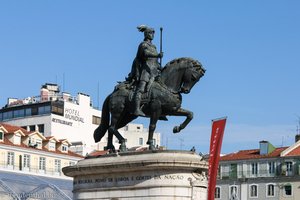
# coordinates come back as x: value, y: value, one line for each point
x: 172, y: 177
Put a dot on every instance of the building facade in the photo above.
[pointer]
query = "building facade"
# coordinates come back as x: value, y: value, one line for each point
x: 26, y: 152
x: 259, y: 174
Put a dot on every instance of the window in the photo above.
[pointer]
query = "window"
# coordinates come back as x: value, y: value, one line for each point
x: 57, y: 108
x: 43, y: 110
x: 288, y: 190
x: 10, y: 158
x: 17, y: 139
x: 141, y: 141
x: 271, y: 167
x: 38, y: 143
x: 26, y: 161
x: 270, y: 190
x: 34, y: 111
x: 7, y: 115
x: 18, y: 113
x: 42, y: 163
x: 41, y: 128
x: 217, y: 193
x: 52, y: 145
x: 253, y: 190
x: 254, y: 168
x: 28, y: 112
x: 289, y: 168
x: 233, y: 171
x: 1, y: 116
x: 57, y: 165
x: 96, y: 120
x: 233, y: 192
x: 32, y: 128
x: 64, y: 148
x: 1, y: 135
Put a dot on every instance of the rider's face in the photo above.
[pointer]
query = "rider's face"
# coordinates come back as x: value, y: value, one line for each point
x: 150, y: 35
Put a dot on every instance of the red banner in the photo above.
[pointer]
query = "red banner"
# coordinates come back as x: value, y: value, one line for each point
x: 217, y: 132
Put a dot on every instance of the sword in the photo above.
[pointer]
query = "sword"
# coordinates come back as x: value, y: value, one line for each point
x: 161, y: 29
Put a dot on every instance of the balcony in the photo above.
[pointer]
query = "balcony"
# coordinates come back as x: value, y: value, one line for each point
x: 31, y: 169
x: 241, y: 175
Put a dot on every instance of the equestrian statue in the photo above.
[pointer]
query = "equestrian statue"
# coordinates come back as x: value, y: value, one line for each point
x: 149, y: 91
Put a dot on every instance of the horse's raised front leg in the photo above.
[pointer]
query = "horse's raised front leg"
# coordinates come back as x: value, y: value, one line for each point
x: 182, y: 112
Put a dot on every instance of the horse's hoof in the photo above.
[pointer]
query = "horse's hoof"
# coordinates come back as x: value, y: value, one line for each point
x: 151, y: 147
x: 176, y: 129
x: 122, y: 147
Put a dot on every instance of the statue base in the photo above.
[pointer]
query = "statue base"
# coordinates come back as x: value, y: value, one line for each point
x: 155, y: 175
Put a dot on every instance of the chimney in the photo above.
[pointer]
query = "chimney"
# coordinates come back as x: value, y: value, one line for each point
x: 265, y: 147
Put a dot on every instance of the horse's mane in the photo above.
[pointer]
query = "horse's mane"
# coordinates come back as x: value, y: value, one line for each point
x: 195, y: 63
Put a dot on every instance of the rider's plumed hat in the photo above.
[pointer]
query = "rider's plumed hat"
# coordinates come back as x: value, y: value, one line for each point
x: 144, y: 28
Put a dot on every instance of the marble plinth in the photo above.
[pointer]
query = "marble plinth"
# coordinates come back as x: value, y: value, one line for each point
x: 148, y: 175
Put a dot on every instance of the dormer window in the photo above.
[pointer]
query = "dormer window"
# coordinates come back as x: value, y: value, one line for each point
x: 38, y: 143
x: 31, y: 142
x: 64, y: 148
x: 1, y: 136
x: 52, y: 146
x: 17, y: 139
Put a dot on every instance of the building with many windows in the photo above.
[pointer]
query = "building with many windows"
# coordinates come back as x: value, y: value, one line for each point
x: 31, y: 165
x: 30, y: 152
x: 260, y: 174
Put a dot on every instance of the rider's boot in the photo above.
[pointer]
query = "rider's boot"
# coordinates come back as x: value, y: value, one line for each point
x: 137, y: 106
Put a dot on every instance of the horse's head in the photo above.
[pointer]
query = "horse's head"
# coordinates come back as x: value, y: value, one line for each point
x: 181, y: 74
x: 191, y: 76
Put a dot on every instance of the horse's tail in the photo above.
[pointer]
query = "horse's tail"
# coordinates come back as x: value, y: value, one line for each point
x: 104, y: 125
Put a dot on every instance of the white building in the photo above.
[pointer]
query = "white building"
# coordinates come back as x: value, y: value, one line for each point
x: 63, y: 116
x: 267, y: 173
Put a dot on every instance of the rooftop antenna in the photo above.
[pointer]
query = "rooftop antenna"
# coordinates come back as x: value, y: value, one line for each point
x: 98, y: 93
x: 63, y: 82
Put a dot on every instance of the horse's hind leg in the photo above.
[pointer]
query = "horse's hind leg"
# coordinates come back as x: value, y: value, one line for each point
x: 153, y: 120
x: 110, y: 145
x: 113, y: 130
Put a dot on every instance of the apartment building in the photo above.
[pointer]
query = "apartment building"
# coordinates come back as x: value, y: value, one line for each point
x: 266, y: 173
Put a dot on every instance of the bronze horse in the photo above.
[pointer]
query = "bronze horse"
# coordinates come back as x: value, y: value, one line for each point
x: 163, y: 98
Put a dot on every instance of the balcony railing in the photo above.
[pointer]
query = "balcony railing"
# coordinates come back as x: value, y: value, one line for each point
x: 234, y: 175
x: 32, y: 169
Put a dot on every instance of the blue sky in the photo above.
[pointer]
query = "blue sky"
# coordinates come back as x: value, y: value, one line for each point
x: 250, y: 50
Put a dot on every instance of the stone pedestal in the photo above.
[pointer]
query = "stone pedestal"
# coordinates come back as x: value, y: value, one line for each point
x: 155, y: 175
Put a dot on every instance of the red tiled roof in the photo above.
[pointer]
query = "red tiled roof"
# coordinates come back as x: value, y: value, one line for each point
x: 294, y: 152
x: 12, y: 129
x: 22, y: 145
x: 251, y: 154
